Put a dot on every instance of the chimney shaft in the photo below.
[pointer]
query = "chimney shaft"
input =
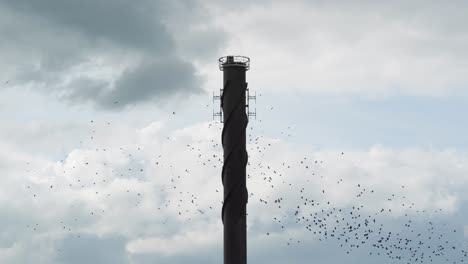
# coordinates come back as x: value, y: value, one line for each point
x: 235, y: 119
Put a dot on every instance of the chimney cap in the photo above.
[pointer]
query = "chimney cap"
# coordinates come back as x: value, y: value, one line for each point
x: 234, y: 60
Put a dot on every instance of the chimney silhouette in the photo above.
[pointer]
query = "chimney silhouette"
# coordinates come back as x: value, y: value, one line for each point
x: 234, y: 102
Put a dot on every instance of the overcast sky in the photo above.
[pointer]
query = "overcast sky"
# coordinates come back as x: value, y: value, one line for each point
x: 109, y: 152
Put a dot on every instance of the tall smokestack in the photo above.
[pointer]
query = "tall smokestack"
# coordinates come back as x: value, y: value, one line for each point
x: 235, y: 119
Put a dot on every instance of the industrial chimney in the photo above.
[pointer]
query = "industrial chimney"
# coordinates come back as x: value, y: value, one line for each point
x: 234, y: 104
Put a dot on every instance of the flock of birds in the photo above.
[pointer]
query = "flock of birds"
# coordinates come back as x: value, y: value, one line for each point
x: 416, y: 237
x: 415, y: 240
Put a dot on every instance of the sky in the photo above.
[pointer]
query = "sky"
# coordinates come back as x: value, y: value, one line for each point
x: 109, y: 152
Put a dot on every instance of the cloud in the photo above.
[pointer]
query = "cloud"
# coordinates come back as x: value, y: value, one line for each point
x: 112, y: 54
x: 168, y: 76
x: 189, y: 241
x: 104, y: 20
x: 350, y: 49
x: 91, y: 249
x: 155, y: 193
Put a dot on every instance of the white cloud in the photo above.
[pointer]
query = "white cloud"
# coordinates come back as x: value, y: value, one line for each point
x: 430, y: 178
x: 367, y: 48
x: 150, y: 186
x: 189, y: 240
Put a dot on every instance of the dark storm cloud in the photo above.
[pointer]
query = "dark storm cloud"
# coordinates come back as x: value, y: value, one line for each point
x: 123, y: 22
x: 168, y: 76
x: 115, y: 30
